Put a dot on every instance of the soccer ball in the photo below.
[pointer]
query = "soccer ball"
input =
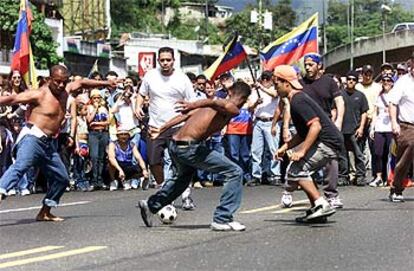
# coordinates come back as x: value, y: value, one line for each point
x: 167, y: 215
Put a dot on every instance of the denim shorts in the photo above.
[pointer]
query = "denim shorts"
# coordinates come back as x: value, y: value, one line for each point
x: 317, y: 157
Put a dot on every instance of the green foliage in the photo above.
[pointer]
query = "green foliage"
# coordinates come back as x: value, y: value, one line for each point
x: 367, y: 20
x: 43, y: 45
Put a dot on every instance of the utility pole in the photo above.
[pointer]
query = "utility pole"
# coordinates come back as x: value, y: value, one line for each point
x: 162, y: 16
x: 352, y: 34
x: 325, y: 42
x: 206, y: 19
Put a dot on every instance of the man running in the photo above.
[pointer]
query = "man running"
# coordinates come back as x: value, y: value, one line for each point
x: 189, y: 153
x: 37, y: 142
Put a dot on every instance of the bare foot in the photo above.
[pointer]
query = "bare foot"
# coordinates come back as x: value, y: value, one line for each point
x: 49, y: 217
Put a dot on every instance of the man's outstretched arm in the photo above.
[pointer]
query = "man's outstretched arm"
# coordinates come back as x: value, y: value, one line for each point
x: 221, y: 105
x: 88, y: 83
x: 26, y: 97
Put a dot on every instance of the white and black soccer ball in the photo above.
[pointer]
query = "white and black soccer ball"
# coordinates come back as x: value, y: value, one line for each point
x: 168, y: 214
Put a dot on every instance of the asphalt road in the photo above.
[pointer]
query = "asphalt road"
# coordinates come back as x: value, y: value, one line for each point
x: 103, y: 231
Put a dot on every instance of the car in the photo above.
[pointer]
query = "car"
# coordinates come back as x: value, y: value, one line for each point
x: 403, y: 27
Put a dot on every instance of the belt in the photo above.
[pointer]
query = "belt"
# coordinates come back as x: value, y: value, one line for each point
x: 98, y: 131
x: 264, y: 119
x: 186, y: 143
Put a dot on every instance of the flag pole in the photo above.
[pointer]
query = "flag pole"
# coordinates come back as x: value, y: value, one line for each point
x: 252, y: 75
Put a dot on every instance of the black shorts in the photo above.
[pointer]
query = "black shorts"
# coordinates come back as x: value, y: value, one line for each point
x: 156, y: 147
x: 130, y: 170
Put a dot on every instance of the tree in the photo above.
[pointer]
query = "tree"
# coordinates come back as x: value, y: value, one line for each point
x: 43, y: 45
x: 367, y: 22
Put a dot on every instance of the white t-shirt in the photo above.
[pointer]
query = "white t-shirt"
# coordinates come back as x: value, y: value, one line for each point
x: 371, y: 92
x: 269, y: 105
x: 164, y: 92
x: 383, y: 120
x: 402, y: 94
x: 126, y: 116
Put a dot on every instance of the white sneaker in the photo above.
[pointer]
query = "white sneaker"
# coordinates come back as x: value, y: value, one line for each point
x: 24, y: 192
x: 134, y: 183
x: 127, y: 185
x: 230, y: 226
x: 335, y: 203
x: 11, y: 192
x: 287, y: 199
x: 113, y: 186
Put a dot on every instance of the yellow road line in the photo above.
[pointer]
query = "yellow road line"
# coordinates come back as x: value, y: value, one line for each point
x: 288, y: 210
x: 27, y: 252
x: 270, y: 208
x: 52, y: 256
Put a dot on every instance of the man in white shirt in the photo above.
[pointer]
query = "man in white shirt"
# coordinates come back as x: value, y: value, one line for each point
x: 164, y: 86
x: 402, y: 123
x: 264, y: 108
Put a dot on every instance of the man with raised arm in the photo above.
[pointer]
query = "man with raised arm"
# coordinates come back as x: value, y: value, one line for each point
x: 189, y: 153
x: 36, y: 144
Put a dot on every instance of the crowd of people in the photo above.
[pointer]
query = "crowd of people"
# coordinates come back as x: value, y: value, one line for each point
x: 127, y: 133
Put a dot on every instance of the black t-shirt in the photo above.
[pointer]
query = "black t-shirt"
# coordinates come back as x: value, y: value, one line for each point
x: 304, y: 110
x: 323, y: 90
x: 355, y: 105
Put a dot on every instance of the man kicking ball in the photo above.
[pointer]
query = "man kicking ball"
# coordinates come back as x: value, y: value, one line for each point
x: 189, y: 153
x: 316, y: 143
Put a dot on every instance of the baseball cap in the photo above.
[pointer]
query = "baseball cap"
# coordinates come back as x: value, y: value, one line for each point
x: 122, y: 130
x: 288, y: 73
x: 225, y: 75
x: 386, y: 65
x: 367, y: 68
x: 402, y: 66
x: 352, y: 74
x: 388, y: 76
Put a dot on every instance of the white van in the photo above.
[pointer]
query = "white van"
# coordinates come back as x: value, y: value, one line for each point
x: 403, y: 27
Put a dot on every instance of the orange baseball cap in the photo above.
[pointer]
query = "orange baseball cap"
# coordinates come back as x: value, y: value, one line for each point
x: 288, y: 74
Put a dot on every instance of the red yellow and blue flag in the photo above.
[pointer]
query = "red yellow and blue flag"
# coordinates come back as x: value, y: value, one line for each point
x: 22, y: 59
x: 232, y: 56
x: 292, y: 46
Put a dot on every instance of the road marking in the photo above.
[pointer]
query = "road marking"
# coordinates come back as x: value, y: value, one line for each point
x: 288, y: 210
x: 38, y: 207
x: 27, y: 252
x: 52, y: 256
x: 272, y: 207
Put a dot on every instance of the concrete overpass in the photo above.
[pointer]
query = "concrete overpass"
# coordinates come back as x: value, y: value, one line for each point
x: 398, y: 47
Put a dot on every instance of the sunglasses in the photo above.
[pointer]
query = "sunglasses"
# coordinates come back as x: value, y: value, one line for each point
x: 16, y: 77
x: 387, y: 80
x: 351, y: 79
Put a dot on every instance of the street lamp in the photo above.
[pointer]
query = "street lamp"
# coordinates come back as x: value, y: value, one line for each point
x: 385, y: 9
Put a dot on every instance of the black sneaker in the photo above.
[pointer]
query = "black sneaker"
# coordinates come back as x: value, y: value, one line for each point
x: 146, y: 214
x: 316, y: 213
x: 145, y: 184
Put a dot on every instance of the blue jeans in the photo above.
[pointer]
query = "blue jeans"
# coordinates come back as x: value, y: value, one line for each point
x: 97, y: 146
x: 186, y: 160
x: 42, y: 153
x: 262, y: 137
x: 238, y: 148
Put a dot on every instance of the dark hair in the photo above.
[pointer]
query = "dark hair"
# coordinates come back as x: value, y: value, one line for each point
x: 111, y: 73
x: 266, y: 75
x: 166, y: 50
x: 134, y: 81
x: 95, y: 74
x: 201, y: 76
x: 22, y: 86
x: 191, y: 76
x: 241, y: 88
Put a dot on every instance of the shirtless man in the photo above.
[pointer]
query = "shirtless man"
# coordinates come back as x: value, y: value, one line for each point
x: 189, y: 153
x: 37, y: 143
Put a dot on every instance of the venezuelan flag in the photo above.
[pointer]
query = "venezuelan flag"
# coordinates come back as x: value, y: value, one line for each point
x: 22, y: 59
x: 233, y: 55
x: 292, y: 46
